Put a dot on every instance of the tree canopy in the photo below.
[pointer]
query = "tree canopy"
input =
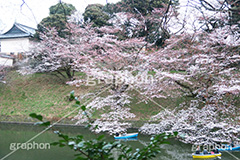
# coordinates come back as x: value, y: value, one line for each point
x: 58, y: 18
x: 154, y: 31
x: 203, y: 65
x: 62, y: 8
x: 95, y: 13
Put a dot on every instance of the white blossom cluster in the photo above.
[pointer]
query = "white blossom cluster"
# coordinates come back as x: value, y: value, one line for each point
x: 198, y: 125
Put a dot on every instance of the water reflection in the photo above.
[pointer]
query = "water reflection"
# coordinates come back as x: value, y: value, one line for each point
x: 13, y: 133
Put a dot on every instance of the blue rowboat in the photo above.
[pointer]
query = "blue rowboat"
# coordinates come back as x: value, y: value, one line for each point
x: 229, y: 148
x: 126, y: 136
x: 128, y: 139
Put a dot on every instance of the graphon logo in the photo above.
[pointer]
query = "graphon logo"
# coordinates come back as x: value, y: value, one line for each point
x: 29, y: 146
x: 128, y: 79
x: 210, y: 147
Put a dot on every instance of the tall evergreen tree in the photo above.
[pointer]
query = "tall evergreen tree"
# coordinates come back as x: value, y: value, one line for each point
x: 95, y: 13
x: 58, y: 16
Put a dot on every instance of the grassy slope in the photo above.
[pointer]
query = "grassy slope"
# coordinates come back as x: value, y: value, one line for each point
x: 39, y: 93
x: 45, y: 94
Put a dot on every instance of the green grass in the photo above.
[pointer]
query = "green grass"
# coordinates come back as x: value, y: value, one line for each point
x: 38, y: 93
x: 144, y: 111
x: 175, y: 71
x: 45, y: 94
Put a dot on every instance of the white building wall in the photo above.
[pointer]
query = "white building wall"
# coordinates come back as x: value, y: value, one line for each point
x: 14, y: 45
x: 6, y: 61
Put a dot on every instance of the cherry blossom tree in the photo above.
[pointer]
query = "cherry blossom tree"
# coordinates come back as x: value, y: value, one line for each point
x: 110, y: 61
x: 151, y: 22
x: 102, y: 56
x: 203, y: 66
x: 53, y: 54
x: 208, y: 71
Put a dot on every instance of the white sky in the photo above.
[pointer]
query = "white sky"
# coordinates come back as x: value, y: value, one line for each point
x: 11, y: 10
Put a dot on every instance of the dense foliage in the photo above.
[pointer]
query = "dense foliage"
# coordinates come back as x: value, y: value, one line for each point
x: 58, y: 19
x: 99, y: 148
x: 146, y: 18
x: 203, y: 65
x: 94, y: 13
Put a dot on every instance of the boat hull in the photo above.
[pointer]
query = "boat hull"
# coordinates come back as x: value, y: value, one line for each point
x: 229, y: 148
x: 127, y: 136
x: 206, y: 155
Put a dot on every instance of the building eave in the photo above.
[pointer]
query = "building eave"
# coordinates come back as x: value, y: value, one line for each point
x: 22, y: 32
x: 15, y: 37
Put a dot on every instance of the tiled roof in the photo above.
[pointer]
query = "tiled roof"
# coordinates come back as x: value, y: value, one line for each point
x: 18, y: 31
